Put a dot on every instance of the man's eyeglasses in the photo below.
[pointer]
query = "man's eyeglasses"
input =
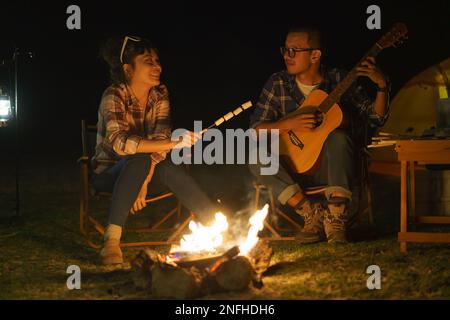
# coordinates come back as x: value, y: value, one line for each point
x: 292, y: 51
x: 124, y: 45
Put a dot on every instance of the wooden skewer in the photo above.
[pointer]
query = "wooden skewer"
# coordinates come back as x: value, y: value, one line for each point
x: 228, y: 116
x: 218, y: 122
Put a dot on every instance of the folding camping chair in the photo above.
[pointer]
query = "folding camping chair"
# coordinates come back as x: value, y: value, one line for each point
x: 89, y: 225
x: 363, y: 190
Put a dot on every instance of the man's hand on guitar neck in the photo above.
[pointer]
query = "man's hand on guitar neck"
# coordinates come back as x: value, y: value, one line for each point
x: 369, y: 69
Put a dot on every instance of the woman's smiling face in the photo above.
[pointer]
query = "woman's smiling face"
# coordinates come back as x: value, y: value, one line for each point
x: 147, y: 69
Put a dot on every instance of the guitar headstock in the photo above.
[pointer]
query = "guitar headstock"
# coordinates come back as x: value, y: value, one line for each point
x: 394, y: 36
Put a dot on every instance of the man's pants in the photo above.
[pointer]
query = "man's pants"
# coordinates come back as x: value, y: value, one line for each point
x: 125, y: 180
x: 336, y: 171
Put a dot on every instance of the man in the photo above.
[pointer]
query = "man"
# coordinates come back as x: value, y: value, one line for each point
x: 283, y: 93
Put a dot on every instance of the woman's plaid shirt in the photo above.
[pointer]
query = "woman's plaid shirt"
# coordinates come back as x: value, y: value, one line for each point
x: 122, y: 124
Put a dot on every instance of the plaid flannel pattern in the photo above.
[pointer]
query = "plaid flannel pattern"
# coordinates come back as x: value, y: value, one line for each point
x: 122, y: 124
x: 281, y: 96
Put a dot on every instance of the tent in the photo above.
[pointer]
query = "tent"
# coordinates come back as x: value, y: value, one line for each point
x: 413, y: 110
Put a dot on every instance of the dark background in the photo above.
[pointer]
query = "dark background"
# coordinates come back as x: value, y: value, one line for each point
x: 215, y: 55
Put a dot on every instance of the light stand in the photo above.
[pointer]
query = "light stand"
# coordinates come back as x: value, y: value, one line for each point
x: 14, y: 115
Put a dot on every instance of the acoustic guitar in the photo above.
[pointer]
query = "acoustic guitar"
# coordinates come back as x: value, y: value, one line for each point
x: 300, y: 150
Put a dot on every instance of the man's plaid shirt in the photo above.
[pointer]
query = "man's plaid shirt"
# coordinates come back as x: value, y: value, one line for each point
x: 281, y: 95
x: 122, y: 124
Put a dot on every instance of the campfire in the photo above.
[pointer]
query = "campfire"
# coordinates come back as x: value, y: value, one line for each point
x: 210, y: 259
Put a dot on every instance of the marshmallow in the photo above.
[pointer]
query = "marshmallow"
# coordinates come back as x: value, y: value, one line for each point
x: 247, y: 105
x: 228, y: 116
x: 237, y: 111
x: 219, y: 121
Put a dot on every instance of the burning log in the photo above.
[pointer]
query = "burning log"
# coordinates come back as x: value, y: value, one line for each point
x: 260, y: 257
x: 190, y: 278
x: 196, y: 267
x: 152, y: 272
x: 170, y: 281
x: 142, y: 266
x: 234, y: 275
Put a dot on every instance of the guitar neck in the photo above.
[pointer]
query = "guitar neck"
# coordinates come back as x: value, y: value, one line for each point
x: 342, y: 86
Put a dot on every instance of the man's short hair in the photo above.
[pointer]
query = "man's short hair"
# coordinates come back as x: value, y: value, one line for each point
x: 315, y: 36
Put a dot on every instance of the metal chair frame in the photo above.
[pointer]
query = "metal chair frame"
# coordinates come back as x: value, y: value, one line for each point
x: 275, y: 212
x: 89, y: 225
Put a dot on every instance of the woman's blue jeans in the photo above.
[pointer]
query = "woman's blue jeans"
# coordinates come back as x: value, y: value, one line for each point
x: 124, y: 180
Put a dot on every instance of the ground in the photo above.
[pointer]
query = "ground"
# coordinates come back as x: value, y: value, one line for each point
x: 37, y: 249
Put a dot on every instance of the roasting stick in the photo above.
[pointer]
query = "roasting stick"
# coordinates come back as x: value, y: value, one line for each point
x: 228, y: 116
x: 216, y: 123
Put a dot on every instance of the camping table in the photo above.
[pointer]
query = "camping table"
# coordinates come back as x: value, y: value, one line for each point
x: 410, y: 153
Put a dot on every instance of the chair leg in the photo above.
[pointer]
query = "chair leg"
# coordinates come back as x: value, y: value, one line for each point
x: 273, y: 211
x: 181, y: 227
x: 84, y: 198
x: 85, y: 219
x: 157, y: 226
x: 369, y: 204
x: 288, y: 219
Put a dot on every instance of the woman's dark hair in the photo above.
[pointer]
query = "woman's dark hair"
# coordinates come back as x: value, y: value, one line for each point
x: 110, y: 52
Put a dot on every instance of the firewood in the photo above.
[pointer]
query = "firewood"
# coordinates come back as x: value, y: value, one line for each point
x: 192, y: 277
x: 260, y: 257
x: 174, y: 282
x: 235, y: 274
x: 142, y: 265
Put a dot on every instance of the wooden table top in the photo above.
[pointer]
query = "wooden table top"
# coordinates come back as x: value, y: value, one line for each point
x: 424, y: 150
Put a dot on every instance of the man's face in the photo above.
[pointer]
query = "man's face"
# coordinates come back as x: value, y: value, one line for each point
x: 302, y: 60
x: 147, y: 68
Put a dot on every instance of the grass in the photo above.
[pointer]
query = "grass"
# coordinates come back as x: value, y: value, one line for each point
x: 36, y: 252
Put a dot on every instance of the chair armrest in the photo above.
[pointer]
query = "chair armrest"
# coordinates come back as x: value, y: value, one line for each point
x: 83, y: 159
x: 106, y: 161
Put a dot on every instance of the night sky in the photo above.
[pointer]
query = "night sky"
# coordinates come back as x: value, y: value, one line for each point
x: 215, y: 55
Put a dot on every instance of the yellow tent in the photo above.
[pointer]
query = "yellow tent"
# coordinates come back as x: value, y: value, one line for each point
x: 413, y: 109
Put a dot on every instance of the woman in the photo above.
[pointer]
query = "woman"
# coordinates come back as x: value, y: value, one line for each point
x: 134, y: 129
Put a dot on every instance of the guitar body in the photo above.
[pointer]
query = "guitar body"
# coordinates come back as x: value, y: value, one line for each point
x: 300, y: 150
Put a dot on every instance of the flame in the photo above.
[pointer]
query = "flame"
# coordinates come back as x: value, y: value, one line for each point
x: 208, y: 239
x: 256, y: 225
x: 204, y: 239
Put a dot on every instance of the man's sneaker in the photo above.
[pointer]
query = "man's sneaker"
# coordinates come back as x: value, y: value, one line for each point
x: 335, y: 222
x: 313, y: 230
